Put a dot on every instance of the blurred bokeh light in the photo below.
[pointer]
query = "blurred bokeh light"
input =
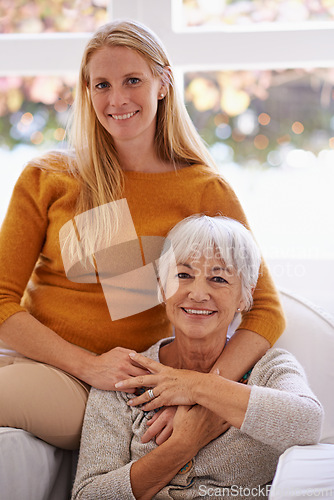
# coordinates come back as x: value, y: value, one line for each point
x: 34, y: 110
x: 43, y: 16
x: 243, y: 13
x: 261, y: 115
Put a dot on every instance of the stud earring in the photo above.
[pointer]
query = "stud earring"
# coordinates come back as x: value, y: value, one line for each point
x: 162, y: 96
x: 238, y: 309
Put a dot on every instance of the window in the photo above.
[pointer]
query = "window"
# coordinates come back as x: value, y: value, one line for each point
x: 277, y: 152
x: 244, y: 14
x: 34, y: 110
x: 40, y: 49
x: 38, y: 16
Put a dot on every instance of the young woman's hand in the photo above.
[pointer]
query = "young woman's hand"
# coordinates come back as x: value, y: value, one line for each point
x: 170, y: 386
x: 111, y: 367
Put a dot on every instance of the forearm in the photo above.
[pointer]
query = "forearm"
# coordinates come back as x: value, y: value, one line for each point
x: 283, y: 419
x: 107, y: 471
x: 223, y: 397
x: 105, y: 477
x: 266, y: 317
x: 241, y: 353
x: 28, y: 336
x: 156, y: 469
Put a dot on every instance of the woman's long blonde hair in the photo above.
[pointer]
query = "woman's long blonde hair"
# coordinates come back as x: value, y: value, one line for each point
x: 95, y: 162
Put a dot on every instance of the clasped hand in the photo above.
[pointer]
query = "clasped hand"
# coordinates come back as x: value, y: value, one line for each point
x: 171, y: 386
x: 195, y: 426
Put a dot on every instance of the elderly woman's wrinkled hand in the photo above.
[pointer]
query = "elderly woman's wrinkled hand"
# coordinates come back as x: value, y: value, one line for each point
x: 170, y: 386
x: 197, y: 426
x: 160, y: 426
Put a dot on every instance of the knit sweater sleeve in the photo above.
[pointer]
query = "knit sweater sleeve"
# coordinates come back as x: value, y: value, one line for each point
x: 104, y: 466
x: 266, y: 316
x: 282, y: 410
x: 21, y: 238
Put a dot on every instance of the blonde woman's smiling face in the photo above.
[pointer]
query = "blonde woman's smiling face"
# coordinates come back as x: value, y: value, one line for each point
x: 206, y: 300
x: 124, y: 93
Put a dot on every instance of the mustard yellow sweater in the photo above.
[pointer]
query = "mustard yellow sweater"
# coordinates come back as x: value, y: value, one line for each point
x: 32, y: 275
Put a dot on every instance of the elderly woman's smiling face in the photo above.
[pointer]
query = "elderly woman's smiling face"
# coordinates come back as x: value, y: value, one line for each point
x: 207, y: 297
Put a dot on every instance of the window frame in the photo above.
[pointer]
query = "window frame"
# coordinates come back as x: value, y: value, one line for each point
x: 307, y: 45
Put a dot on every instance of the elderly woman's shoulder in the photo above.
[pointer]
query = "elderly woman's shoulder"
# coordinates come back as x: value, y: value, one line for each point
x: 102, y: 402
x: 276, y: 362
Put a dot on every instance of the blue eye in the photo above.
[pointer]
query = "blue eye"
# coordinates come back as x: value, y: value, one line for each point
x: 133, y: 80
x: 102, y: 85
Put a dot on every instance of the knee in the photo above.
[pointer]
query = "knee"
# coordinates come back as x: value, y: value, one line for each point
x: 43, y: 401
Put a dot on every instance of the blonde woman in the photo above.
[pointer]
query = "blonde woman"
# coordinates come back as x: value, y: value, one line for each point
x: 79, y: 220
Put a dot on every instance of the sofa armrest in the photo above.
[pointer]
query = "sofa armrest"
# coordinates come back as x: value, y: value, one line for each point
x: 304, y: 472
x: 31, y: 469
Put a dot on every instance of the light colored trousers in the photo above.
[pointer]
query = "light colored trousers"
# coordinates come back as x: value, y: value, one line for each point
x: 41, y: 399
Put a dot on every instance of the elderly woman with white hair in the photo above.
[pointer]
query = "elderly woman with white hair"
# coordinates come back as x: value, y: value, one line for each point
x: 208, y: 271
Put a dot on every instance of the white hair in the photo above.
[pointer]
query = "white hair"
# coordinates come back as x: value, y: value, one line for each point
x: 217, y: 237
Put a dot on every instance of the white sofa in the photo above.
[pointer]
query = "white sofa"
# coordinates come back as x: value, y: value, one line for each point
x: 33, y: 470
x: 305, y: 472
